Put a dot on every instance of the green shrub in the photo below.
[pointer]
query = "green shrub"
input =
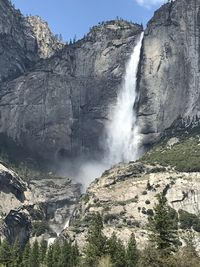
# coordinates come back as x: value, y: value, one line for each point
x: 109, y: 217
x: 39, y: 228
x: 150, y: 212
x: 144, y: 192
x: 144, y: 210
x: 188, y: 220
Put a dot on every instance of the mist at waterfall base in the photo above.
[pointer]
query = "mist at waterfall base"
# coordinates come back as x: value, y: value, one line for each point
x: 83, y: 171
x: 122, y: 140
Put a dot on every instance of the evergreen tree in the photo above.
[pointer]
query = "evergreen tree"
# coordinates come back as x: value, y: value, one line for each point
x: 42, y: 251
x: 5, y: 253
x: 26, y: 255
x: 96, y: 246
x: 163, y: 235
x: 132, y: 254
x: 16, y: 255
x: 66, y: 255
x: 117, y: 252
x: 34, y: 255
x: 56, y: 254
x: 49, y: 257
x: 75, y: 255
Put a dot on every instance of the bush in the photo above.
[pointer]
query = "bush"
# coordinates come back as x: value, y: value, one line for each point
x: 144, y: 192
x: 109, y: 217
x: 39, y: 228
x: 150, y: 212
x: 189, y: 220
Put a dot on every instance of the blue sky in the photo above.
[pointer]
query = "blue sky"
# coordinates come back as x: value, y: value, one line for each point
x: 75, y: 17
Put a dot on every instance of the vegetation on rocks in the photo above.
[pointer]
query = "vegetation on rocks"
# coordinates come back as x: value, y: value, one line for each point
x: 163, y: 249
x: 176, y: 155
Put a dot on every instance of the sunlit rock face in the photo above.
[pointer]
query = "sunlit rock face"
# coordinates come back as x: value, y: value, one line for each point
x: 47, y: 42
x: 126, y: 195
x: 59, y: 109
x: 169, y: 70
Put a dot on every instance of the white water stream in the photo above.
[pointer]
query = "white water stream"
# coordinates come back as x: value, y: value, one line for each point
x: 122, y: 130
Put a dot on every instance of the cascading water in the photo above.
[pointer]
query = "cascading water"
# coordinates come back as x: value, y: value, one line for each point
x: 122, y: 131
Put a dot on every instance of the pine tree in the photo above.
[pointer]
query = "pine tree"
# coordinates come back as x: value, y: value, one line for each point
x: 16, y: 254
x: 132, y: 254
x: 42, y: 251
x: 117, y: 251
x: 163, y: 235
x: 34, y: 255
x: 49, y: 257
x: 96, y: 246
x: 75, y: 255
x: 66, y: 255
x: 5, y: 253
x: 26, y: 255
x: 56, y: 254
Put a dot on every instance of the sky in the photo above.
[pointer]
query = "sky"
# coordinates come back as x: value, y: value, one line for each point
x: 74, y: 17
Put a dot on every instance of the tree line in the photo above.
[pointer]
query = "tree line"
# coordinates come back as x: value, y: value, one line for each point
x: 164, y: 248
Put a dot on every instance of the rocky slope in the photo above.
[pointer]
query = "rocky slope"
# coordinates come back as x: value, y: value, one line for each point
x: 125, y: 196
x: 41, y: 207
x: 60, y: 109
x: 169, y: 68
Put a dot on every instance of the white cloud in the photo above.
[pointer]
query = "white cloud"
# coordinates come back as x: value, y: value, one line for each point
x: 149, y: 3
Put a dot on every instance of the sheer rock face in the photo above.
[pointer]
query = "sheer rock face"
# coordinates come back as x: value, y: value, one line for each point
x: 48, y: 44
x: 60, y: 108
x: 169, y: 69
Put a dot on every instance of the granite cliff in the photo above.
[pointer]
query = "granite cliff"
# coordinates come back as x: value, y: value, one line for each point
x: 169, y: 68
x: 59, y: 108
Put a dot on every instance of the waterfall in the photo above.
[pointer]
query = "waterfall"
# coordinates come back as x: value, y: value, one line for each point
x: 122, y: 140
x: 122, y: 130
